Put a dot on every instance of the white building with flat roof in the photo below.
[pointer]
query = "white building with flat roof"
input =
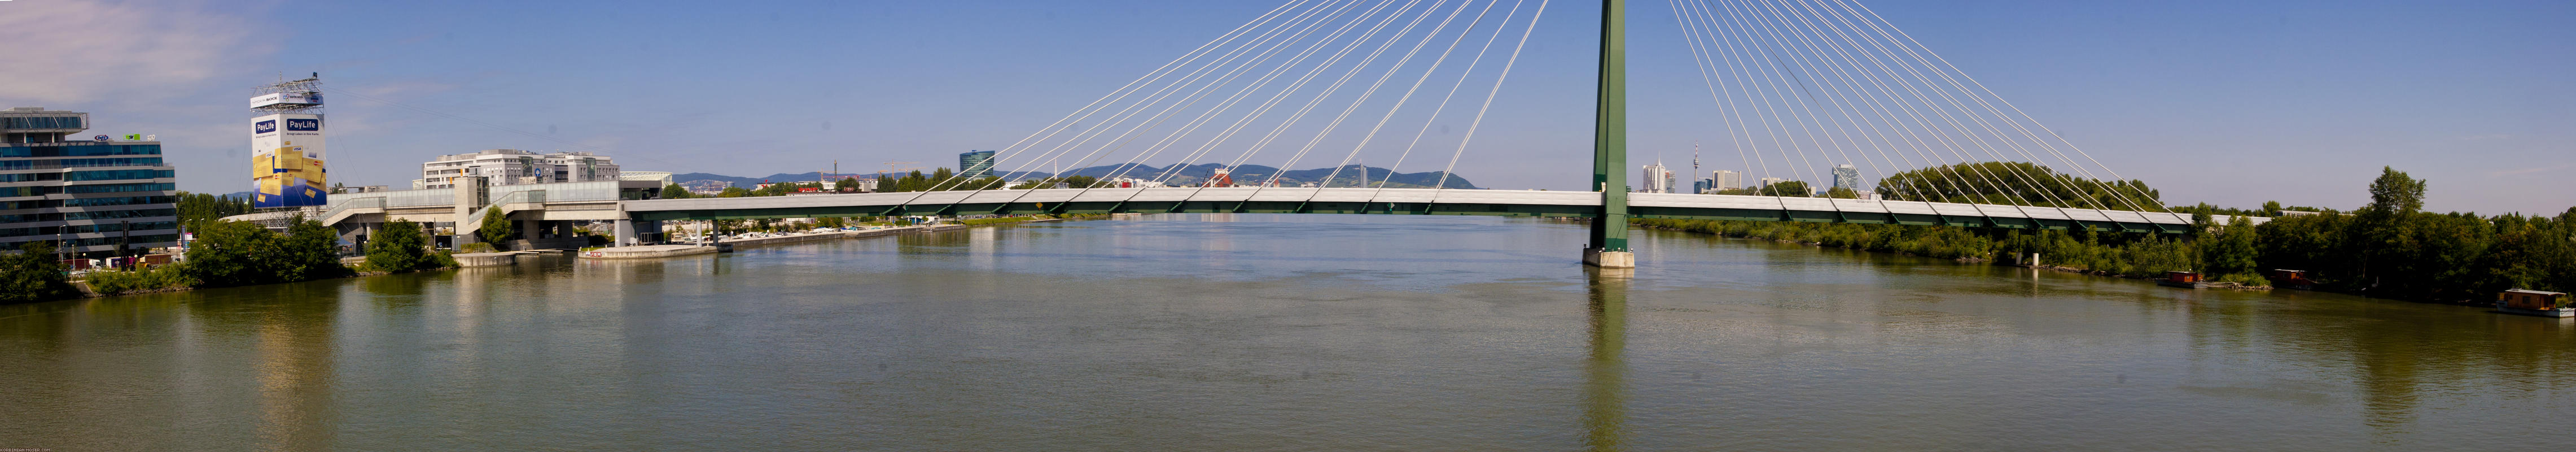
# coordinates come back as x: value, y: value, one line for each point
x: 1729, y: 180
x: 516, y: 167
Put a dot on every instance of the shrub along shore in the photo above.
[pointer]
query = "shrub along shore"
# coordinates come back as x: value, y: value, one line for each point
x: 2387, y: 249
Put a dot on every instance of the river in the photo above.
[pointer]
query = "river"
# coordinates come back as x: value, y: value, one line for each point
x: 1273, y: 332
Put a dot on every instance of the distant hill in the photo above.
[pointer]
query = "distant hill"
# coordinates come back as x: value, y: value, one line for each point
x: 1349, y: 176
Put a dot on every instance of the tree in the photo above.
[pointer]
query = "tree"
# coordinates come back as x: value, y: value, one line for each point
x: 2395, y: 193
x: 674, y: 191
x: 32, y: 274
x: 845, y: 184
x: 2272, y: 208
x: 234, y: 253
x: 399, y: 247
x: 1840, y: 192
x: 1795, y: 189
x: 308, y: 251
x: 733, y: 192
x: 197, y: 210
x: 2231, y: 254
x: 496, y: 228
x: 226, y: 253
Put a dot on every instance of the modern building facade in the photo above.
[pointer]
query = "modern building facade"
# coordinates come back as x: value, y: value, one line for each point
x: 516, y: 167
x: 1656, y: 179
x: 975, y: 164
x: 1729, y: 180
x: 1847, y: 177
x: 92, y: 197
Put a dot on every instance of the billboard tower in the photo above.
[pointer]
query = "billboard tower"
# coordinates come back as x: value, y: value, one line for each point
x: 286, y: 145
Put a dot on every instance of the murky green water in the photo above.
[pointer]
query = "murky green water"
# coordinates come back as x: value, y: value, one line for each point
x: 1313, y: 332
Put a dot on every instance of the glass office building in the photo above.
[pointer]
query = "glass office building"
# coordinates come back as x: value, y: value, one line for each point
x: 87, y: 195
x: 974, y: 164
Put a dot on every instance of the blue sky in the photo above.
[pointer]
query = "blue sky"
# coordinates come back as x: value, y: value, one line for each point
x: 2228, y: 102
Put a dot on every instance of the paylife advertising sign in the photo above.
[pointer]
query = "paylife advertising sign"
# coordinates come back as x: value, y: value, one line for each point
x: 287, y: 161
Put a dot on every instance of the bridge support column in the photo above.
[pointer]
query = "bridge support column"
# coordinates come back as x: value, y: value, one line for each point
x: 1609, y: 248
x: 625, y: 232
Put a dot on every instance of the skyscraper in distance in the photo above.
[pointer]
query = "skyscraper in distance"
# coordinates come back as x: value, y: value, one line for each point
x: 1847, y: 177
x: 975, y: 164
x: 1656, y: 179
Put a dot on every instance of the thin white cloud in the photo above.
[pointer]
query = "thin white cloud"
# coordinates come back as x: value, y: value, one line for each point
x: 2527, y: 171
x: 72, y: 52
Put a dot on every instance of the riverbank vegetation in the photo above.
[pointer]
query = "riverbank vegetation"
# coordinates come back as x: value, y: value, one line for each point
x: 2387, y: 249
x: 32, y: 274
x: 233, y: 253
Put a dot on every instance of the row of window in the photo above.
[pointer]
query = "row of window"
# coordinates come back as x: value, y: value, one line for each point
x: 100, y: 215
x: 86, y: 202
x: 101, y: 188
x: 112, y: 241
x: 87, y: 175
x: 87, y: 228
x: 79, y: 163
x: 77, y: 150
x: 41, y: 122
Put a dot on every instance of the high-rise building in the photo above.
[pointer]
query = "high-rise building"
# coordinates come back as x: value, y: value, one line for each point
x: 516, y: 167
x: 1767, y: 181
x: 1729, y: 180
x: 1703, y: 185
x: 1656, y: 179
x: 93, y: 197
x: 974, y: 164
x: 1847, y: 177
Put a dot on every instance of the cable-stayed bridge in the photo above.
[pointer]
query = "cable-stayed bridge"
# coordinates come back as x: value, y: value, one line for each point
x: 1804, y: 92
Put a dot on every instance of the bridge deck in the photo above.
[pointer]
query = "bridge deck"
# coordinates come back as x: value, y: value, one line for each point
x: 1401, y: 201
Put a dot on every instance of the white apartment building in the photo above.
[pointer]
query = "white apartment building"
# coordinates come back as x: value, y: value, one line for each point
x: 516, y: 167
x: 1729, y: 180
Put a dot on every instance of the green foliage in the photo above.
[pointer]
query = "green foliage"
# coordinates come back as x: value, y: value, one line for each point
x: 162, y: 277
x: 2394, y: 192
x: 1795, y: 189
x: 1069, y: 182
x: 2015, y: 183
x: 496, y: 228
x: 232, y: 253
x: 2233, y: 250
x: 1840, y: 192
x: 674, y: 191
x: 33, y: 274
x: 1934, y: 241
x: 477, y: 248
x: 846, y: 183
x: 733, y: 192
x: 196, y: 210
x: 400, y: 247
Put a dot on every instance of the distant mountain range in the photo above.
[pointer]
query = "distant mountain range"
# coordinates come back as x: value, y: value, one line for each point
x: 1247, y: 174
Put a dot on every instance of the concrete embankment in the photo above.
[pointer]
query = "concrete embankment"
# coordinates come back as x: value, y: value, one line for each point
x: 646, y: 251
x: 486, y: 259
x: 801, y: 238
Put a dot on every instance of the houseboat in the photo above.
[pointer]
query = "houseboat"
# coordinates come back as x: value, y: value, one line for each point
x: 2292, y: 279
x: 2533, y: 302
x: 2183, y: 279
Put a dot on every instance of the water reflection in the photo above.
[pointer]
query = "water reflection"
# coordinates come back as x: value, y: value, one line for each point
x: 1605, y: 388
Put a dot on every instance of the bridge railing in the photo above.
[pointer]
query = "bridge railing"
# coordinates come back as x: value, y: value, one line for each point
x: 346, y: 207
x: 474, y: 220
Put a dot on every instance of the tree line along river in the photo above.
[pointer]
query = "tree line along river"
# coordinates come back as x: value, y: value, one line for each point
x: 1273, y: 332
